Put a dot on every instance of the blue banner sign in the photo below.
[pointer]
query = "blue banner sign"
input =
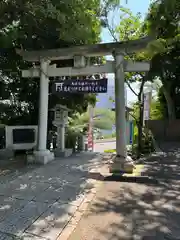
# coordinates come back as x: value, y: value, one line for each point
x: 80, y: 86
x: 131, y: 134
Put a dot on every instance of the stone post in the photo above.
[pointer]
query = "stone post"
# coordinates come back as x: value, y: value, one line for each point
x: 42, y: 155
x: 120, y: 162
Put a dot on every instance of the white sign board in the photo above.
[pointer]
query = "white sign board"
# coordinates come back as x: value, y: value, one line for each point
x: 147, y: 105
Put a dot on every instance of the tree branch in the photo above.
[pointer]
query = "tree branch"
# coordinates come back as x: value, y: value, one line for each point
x: 111, y: 31
x: 134, y: 117
x: 131, y: 88
x: 141, y: 74
x: 144, y: 79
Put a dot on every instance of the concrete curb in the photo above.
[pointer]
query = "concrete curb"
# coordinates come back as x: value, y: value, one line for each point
x: 76, y: 217
x: 72, y: 224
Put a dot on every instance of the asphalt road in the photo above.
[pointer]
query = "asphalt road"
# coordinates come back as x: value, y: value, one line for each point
x: 105, y: 140
x: 101, y: 146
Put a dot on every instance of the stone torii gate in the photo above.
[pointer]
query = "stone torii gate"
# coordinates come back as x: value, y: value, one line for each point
x: 80, y: 55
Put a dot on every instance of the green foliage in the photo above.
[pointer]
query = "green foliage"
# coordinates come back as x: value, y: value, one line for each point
x: 41, y: 25
x: 163, y: 18
x: 163, y: 23
x: 65, y: 20
x: 104, y: 120
x: 131, y: 27
x: 156, y: 111
x: 147, y: 144
x: 71, y: 138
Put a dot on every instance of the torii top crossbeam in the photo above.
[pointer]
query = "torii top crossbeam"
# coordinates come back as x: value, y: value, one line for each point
x: 102, y: 49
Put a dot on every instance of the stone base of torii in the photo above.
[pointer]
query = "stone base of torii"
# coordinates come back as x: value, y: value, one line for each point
x: 79, y: 53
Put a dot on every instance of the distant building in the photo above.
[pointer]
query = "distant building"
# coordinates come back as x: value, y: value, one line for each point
x: 106, y: 100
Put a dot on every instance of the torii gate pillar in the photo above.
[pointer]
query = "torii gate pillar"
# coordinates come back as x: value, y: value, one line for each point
x: 121, y: 162
x: 42, y: 154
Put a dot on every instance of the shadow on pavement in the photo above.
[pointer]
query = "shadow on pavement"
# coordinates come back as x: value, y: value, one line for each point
x: 141, y: 179
x: 133, y: 208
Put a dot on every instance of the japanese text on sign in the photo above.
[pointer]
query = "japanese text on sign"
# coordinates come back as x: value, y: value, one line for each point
x: 81, y: 86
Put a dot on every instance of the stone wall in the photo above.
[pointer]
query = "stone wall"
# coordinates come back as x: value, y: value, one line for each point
x: 165, y: 130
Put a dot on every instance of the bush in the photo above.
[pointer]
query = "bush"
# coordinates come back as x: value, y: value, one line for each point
x: 72, y: 138
x: 147, y: 143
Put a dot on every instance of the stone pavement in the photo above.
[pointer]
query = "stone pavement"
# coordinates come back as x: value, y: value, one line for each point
x: 141, y: 208
x: 38, y: 204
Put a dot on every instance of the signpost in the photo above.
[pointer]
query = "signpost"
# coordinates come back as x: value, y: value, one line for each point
x: 80, y: 86
x: 131, y: 132
x: 90, y: 129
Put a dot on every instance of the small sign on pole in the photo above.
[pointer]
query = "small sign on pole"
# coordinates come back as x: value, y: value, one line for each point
x: 131, y: 132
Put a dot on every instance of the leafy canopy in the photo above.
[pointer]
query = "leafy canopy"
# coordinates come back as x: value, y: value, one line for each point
x: 43, y: 24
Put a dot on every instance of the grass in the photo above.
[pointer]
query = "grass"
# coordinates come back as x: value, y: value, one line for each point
x: 110, y: 151
x: 137, y: 172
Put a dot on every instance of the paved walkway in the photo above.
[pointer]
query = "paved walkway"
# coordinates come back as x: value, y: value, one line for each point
x: 136, y: 208
x: 38, y: 204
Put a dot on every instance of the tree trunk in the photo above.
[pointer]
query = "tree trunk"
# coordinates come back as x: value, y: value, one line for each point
x: 170, y: 104
x: 140, y: 122
x: 140, y: 129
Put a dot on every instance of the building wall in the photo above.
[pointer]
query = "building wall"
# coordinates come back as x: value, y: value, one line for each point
x: 165, y: 130
x: 103, y: 99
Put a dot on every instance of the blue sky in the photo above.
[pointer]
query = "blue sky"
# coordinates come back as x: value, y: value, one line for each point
x: 135, y: 6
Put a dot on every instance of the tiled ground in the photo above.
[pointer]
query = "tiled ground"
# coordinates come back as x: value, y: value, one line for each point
x: 38, y: 204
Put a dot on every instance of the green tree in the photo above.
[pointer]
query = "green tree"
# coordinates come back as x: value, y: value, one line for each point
x: 41, y: 25
x: 104, y: 119
x: 163, y: 18
x: 131, y: 27
x: 165, y: 66
x: 156, y: 112
x: 38, y: 25
x: 163, y: 23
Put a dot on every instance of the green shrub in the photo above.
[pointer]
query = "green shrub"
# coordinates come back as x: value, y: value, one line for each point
x: 70, y: 140
x: 72, y: 137
x: 147, y: 143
